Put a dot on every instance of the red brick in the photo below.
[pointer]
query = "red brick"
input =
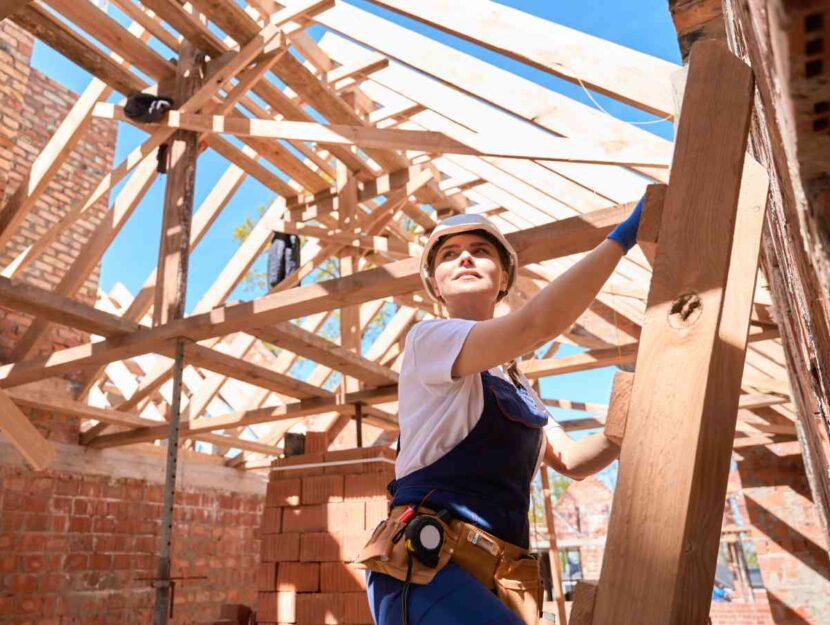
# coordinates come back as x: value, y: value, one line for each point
x: 277, y: 607
x: 322, y: 489
x: 304, y: 518
x: 346, y: 516
x: 319, y: 547
x: 340, y: 577
x: 283, y: 492
x: 298, y: 577
x: 316, y: 442
x: 272, y: 520
x: 356, y: 608
x: 281, y: 548
x: 320, y: 608
x: 376, y: 511
x: 315, y: 458
x: 326, y: 547
x: 366, y: 486
x: 266, y: 578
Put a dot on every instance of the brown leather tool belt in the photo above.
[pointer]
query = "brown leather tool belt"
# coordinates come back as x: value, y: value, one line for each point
x: 501, y: 566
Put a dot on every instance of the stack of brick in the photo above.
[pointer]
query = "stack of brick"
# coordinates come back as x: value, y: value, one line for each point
x: 315, y: 521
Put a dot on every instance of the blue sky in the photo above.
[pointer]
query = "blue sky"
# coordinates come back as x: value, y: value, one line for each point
x: 644, y: 25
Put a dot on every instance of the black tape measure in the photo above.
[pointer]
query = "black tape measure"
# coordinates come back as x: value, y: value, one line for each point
x: 424, y: 538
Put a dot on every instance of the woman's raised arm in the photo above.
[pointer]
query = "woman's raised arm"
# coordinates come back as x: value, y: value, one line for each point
x: 549, y: 313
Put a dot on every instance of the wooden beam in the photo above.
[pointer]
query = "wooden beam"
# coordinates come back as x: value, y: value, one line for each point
x: 63, y: 39
x: 123, y: 206
x: 50, y: 159
x: 494, y: 85
x: 668, y: 503
x: 542, y: 148
x: 562, y: 238
x: 309, y: 345
x: 250, y: 417
x: 8, y: 7
x: 591, y: 359
x: 25, y: 437
x: 177, y: 212
x: 640, y: 80
x: 372, y: 63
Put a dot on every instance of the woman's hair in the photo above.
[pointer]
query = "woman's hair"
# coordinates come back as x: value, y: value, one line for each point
x: 504, y: 257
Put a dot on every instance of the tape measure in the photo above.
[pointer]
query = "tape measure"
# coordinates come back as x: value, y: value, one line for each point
x: 424, y: 538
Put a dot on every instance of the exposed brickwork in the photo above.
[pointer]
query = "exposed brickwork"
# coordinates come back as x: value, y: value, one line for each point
x: 792, y: 554
x: 327, y: 516
x: 582, y: 514
x: 73, y: 549
x: 33, y: 106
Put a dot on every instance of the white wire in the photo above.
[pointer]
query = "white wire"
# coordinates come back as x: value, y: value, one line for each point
x: 599, y: 106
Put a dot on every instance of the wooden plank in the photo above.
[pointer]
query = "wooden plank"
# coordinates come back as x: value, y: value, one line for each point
x: 562, y: 238
x: 372, y: 63
x: 8, y: 7
x: 177, y: 211
x: 248, y: 372
x: 492, y: 84
x: 115, y: 37
x: 668, y: 503
x: 640, y: 80
x: 591, y: 359
x: 50, y: 159
x: 49, y: 305
x: 617, y: 415
x: 25, y: 437
x: 126, y: 202
x: 553, y: 550
x: 60, y: 37
x: 542, y: 148
x: 582, y: 608
x: 340, y: 358
x: 649, y: 231
x: 251, y: 417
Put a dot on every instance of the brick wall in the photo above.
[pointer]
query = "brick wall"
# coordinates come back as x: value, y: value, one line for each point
x: 315, y: 521
x: 76, y: 540
x: 582, y: 513
x: 792, y: 554
x: 33, y: 105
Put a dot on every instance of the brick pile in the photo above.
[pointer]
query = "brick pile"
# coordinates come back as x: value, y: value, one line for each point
x: 314, y: 522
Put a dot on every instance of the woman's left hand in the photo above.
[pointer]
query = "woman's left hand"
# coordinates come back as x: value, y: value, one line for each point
x: 626, y: 233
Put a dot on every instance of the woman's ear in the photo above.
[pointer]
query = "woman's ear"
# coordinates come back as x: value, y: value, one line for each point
x: 435, y: 289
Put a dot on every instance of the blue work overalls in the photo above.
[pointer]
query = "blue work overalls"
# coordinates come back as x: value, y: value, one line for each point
x: 484, y: 480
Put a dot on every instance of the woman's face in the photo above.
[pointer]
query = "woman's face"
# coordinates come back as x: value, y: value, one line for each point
x: 467, y: 266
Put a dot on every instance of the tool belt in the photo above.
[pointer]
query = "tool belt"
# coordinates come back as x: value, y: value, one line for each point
x: 501, y: 566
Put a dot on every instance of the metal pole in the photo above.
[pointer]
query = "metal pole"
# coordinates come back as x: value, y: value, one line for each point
x: 162, y: 582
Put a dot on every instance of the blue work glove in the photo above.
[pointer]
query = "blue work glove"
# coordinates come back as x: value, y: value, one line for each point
x: 626, y: 232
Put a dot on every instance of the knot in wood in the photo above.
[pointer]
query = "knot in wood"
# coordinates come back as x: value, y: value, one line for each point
x: 685, y: 311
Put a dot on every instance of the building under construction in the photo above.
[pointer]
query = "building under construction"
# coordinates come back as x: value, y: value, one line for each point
x: 221, y: 461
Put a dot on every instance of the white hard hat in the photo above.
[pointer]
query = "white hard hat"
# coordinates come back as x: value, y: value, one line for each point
x: 466, y: 223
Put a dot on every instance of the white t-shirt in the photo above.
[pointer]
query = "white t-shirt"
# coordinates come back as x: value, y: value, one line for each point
x: 435, y: 411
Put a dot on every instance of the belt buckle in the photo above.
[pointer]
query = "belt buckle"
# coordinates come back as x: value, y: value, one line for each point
x: 483, y: 542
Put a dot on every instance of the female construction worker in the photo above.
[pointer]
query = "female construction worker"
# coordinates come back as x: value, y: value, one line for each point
x: 454, y: 549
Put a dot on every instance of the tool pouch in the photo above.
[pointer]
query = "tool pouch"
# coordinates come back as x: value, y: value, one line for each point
x: 383, y: 555
x: 519, y: 586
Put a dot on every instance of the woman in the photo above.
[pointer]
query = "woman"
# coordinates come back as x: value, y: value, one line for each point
x: 471, y: 434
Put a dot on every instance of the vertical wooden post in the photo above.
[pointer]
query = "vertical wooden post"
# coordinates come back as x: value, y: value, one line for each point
x: 350, y: 334
x: 170, y: 294
x: 171, y: 275
x: 664, y: 531
x: 553, y: 550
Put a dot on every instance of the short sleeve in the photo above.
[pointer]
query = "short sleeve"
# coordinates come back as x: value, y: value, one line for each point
x: 434, y: 346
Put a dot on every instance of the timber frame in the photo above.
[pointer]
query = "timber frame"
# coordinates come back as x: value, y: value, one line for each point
x: 360, y: 142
